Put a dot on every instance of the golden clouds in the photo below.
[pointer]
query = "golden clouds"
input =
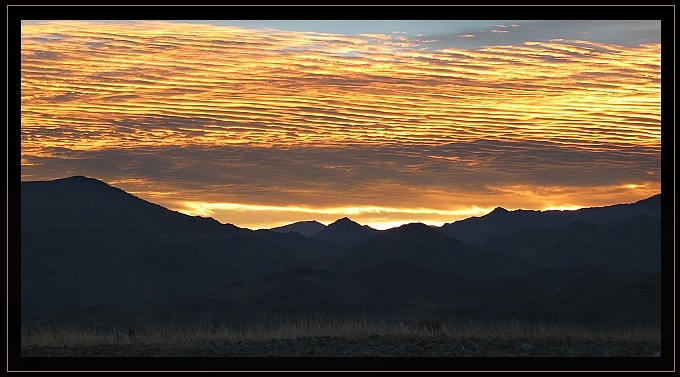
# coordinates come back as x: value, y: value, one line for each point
x: 325, y: 89
x: 417, y: 117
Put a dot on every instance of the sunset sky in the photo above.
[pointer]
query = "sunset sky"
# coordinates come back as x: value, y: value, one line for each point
x: 264, y: 123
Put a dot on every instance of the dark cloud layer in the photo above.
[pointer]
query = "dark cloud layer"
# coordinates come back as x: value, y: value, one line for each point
x: 351, y: 174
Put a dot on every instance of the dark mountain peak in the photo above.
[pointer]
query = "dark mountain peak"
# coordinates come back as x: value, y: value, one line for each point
x: 75, y: 181
x: 344, y: 223
x: 413, y: 228
x: 344, y: 220
x: 307, y: 222
x: 498, y: 211
x: 305, y: 228
x: 346, y: 232
x: 84, y: 203
x: 74, y: 178
x: 80, y: 177
x: 79, y: 189
x: 413, y: 231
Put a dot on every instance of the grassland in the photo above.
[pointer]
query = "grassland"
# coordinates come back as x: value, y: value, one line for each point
x: 181, y: 336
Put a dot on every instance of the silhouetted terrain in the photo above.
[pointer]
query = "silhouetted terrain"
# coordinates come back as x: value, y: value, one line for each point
x: 632, y: 244
x: 89, y: 250
x: 403, y: 292
x: 306, y: 228
x: 500, y: 222
x: 85, y: 243
x: 346, y: 232
x: 424, y: 246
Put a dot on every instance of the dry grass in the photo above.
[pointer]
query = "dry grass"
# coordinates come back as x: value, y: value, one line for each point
x: 182, y: 336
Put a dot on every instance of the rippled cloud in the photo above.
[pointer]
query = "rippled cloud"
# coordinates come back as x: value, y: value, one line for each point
x: 258, y: 127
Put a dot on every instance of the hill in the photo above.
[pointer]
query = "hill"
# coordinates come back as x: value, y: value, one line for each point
x: 84, y: 243
x: 633, y: 244
x: 424, y: 246
x: 306, y: 228
x: 346, y: 232
x: 500, y: 222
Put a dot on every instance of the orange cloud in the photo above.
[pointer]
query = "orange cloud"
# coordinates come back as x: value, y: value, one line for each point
x: 95, y: 87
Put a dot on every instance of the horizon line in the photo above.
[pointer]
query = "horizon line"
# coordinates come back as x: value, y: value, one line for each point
x: 202, y: 210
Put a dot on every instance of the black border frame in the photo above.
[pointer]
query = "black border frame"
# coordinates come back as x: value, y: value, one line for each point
x: 665, y: 13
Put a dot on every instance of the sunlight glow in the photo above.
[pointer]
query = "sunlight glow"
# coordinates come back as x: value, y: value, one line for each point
x: 208, y: 209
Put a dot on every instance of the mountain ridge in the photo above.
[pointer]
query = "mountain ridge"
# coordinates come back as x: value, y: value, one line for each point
x: 499, y: 222
x: 86, y: 243
x: 346, y: 232
x: 306, y: 228
x: 424, y: 246
x: 630, y: 244
x: 652, y: 201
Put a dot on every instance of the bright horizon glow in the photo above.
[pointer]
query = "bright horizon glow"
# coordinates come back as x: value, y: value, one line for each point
x: 390, y: 123
x: 209, y: 210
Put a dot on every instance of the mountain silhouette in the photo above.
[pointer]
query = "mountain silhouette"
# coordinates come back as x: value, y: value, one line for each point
x: 632, y: 244
x: 84, y: 242
x: 346, y: 232
x: 85, y: 203
x: 306, y: 228
x: 497, y: 212
x: 296, y: 249
x: 421, y: 245
x: 500, y: 222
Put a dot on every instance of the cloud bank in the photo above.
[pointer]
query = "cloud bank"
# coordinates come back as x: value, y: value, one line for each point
x: 264, y: 127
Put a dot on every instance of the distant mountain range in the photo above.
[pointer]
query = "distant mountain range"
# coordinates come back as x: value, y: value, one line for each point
x: 477, y: 230
x: 85, y: 244
x: 306, y: 228
x: 424, y: 246
x: 501, y: 222
x: 632, y: 244
x: 346, y: 232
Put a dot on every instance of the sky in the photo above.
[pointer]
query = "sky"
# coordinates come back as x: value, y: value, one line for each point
x: 265, y: 123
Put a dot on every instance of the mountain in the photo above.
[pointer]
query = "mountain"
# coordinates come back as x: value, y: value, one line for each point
x: 296, y: 249
x: 346, y: 232
x: 500, y: 222
x: 421, y: 245
x: 632, y: 244
x: 396, y: 292
x: 82, y: 203
x: 306, y: 228
x: 84, y: 243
